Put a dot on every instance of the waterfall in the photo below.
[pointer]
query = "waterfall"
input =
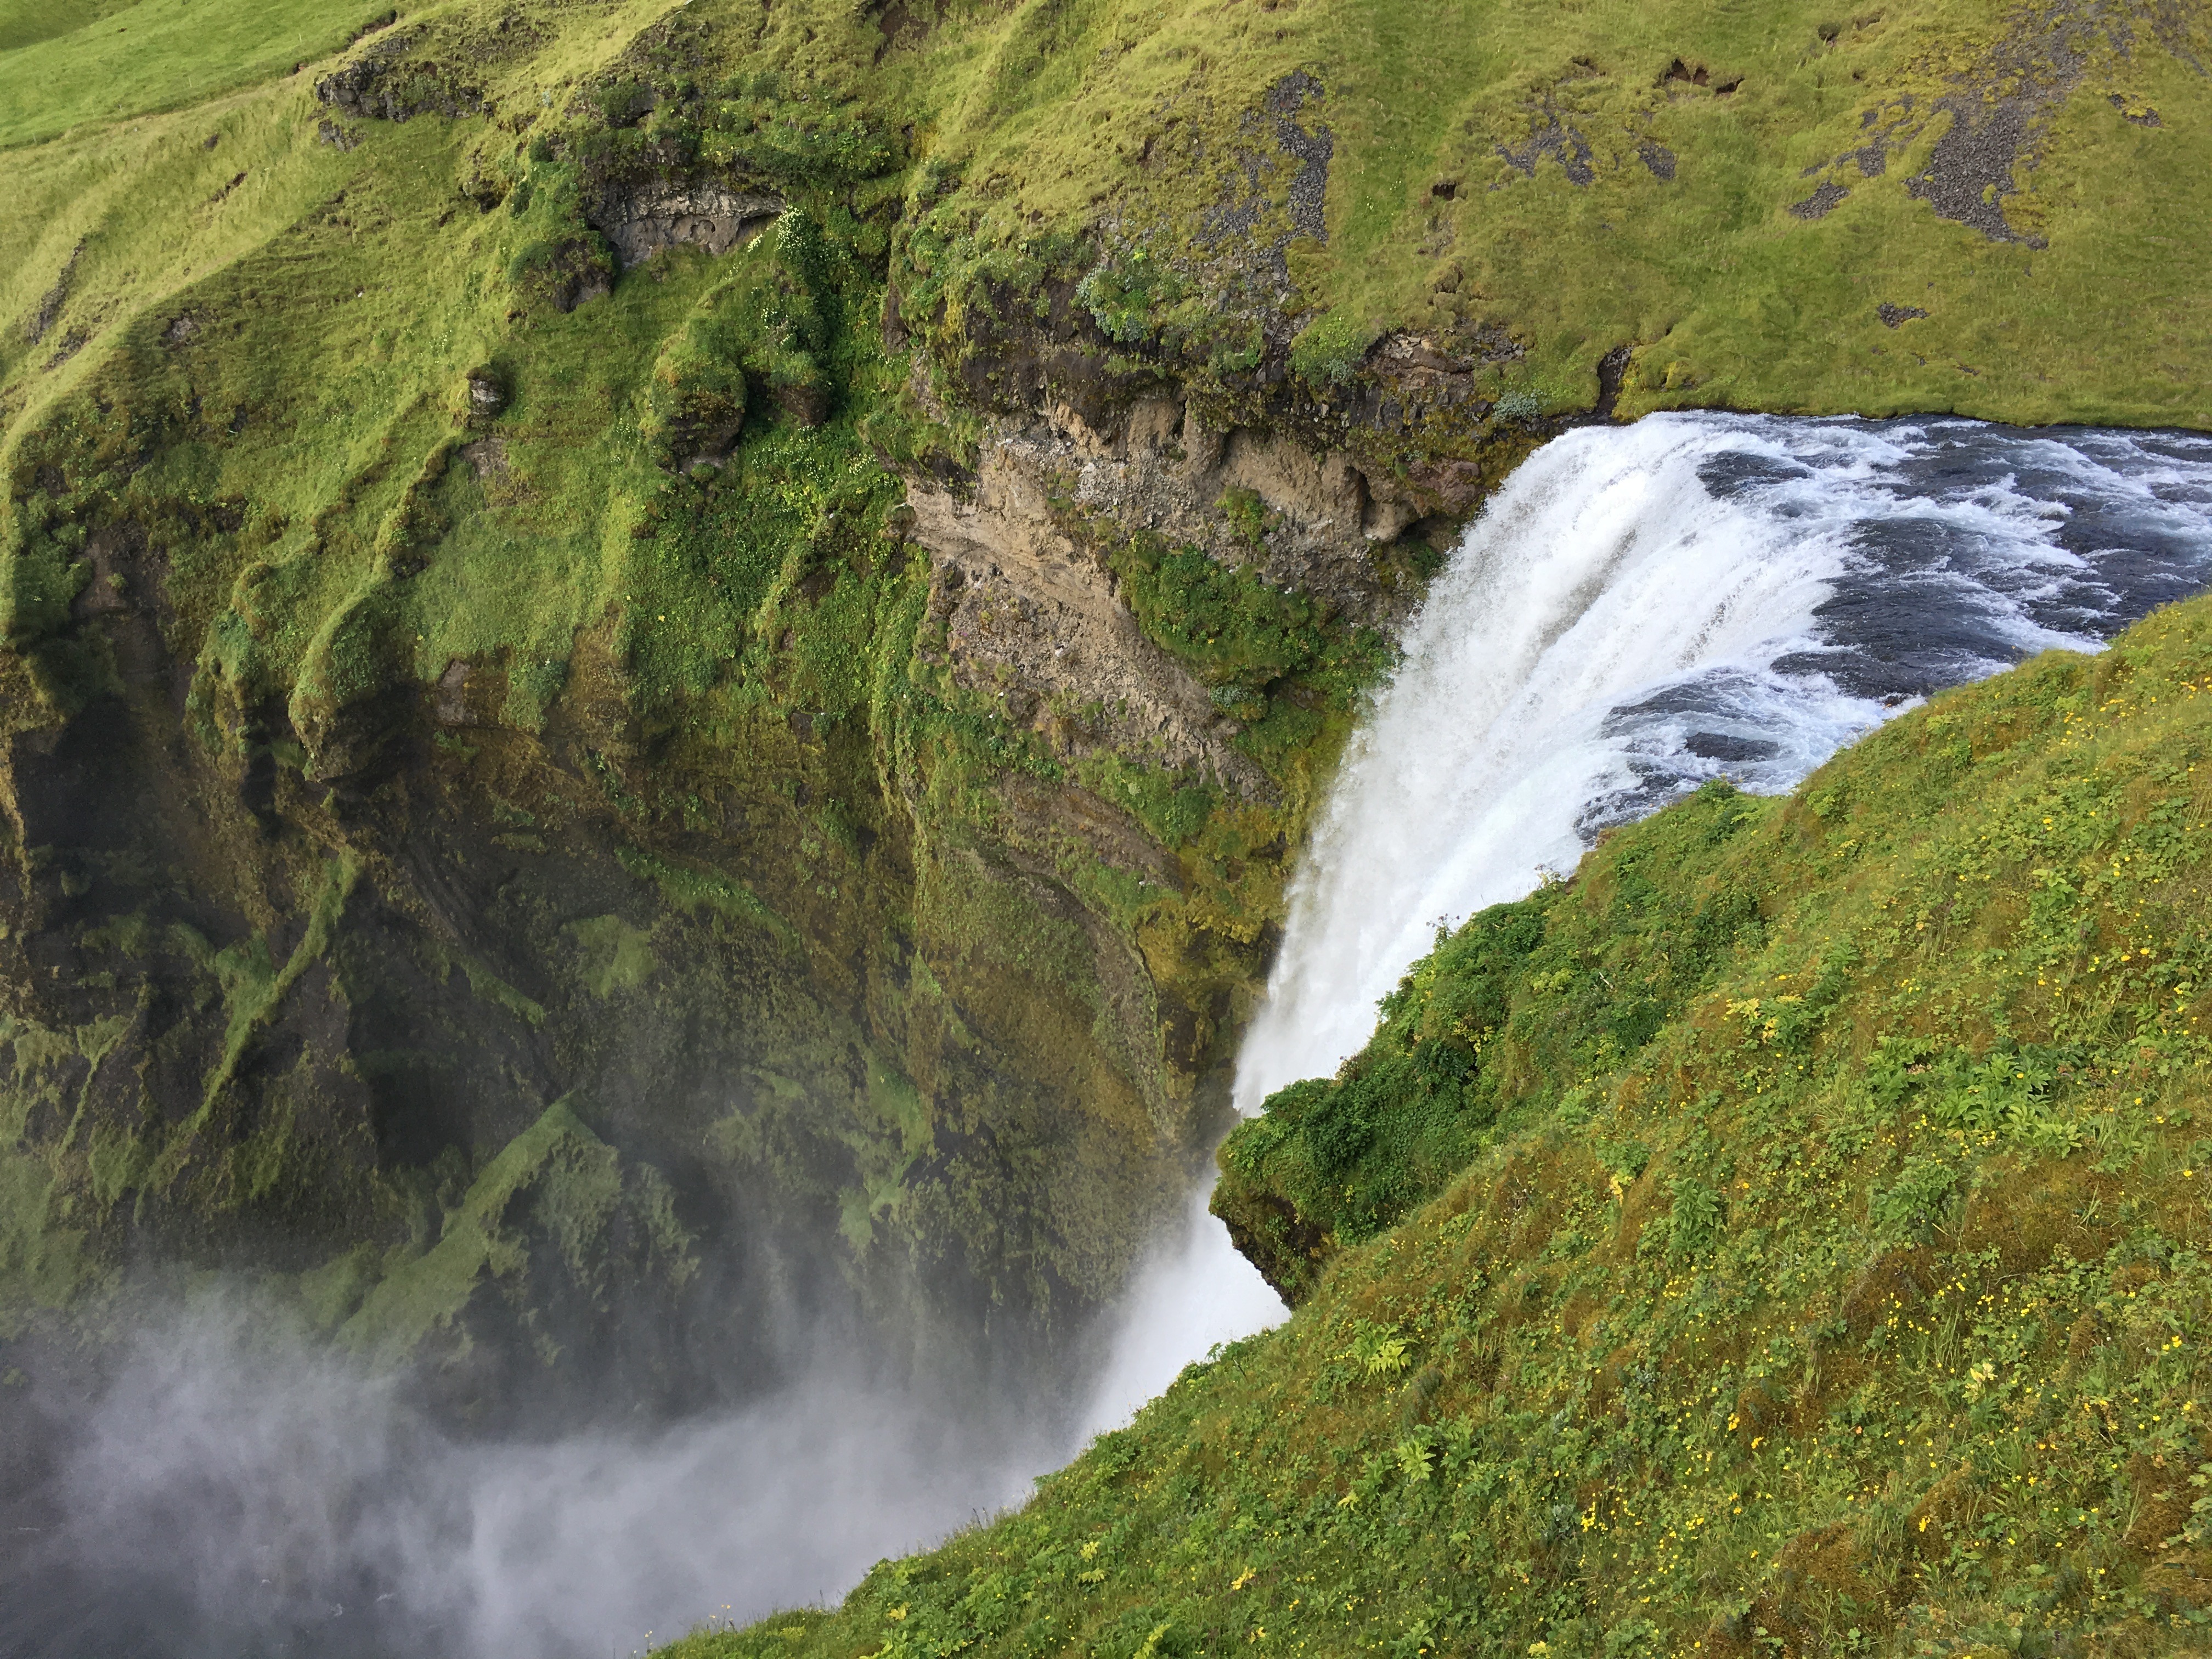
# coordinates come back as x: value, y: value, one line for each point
x: 1640, y: 609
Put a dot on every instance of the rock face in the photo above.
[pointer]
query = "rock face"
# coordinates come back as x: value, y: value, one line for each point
x: 639, y: 223
x: 1022, y: 601
x: 638, y: 1091
x: 1306, y: 521
x: 1023, y: 607
x: 599, y: 1037
x: 387, y: 81
x: 485, y: 390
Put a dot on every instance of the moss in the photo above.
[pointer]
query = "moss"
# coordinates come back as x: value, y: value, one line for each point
x: 484, y: 983
x: 695, y: 891
x: 252, y: 985
x: 1328, y: 349
x: 47, y: 1227
x: 330, y: 1294
x: 43, y: 1263
x: 555, y: 1183
x: 613, y: 956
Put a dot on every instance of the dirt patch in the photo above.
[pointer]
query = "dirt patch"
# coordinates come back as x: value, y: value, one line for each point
x: 1998, y: 113
x: 1681, y: 74
x: 1971, y: 172
x: 1894, y: 1280
x: 1817, y: 1570
x: 1821, y: 203
x: 1309, y: 185
x: 2029, y: 1219
x: 69, y: 344
x: 1256, y: 203
x: 50, y: 305
x: 487, y: 457
x: 1551, y: 136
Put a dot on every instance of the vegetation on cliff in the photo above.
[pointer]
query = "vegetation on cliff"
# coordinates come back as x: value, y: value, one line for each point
x: 1802, y: 1251
x: 541, y: 766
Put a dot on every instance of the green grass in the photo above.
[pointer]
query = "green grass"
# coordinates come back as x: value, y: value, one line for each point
x: 71, y: 63
x: 254, y: 360
x: 27, y: 21
x: 1725, y: 297
x: 1820, y: 1269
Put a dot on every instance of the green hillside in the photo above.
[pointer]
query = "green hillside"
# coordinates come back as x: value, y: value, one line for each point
x: 664, y: 662
x: 1852, y: 1302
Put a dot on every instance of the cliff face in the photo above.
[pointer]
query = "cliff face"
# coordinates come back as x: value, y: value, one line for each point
x: 658, y: 654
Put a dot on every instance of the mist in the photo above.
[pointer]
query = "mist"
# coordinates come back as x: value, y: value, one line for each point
x: 1193, y: 1292
x: 232, y: 1490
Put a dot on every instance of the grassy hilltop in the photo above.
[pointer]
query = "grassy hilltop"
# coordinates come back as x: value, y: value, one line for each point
x: 1786, y: 1236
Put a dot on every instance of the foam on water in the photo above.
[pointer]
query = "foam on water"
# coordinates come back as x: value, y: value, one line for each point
x: 1640, y: 609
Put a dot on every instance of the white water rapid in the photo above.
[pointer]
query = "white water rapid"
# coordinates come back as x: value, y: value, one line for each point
x: 1642, y: 608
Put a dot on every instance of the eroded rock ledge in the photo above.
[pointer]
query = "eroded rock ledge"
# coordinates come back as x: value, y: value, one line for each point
x: 1027, y: 607
x: 711, y: 217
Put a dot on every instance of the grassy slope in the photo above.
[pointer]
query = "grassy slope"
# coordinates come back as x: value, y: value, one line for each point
x: 1856, y: 1308
x: 1042, y: 120
x: 339, y: 296
x: 1728, y: 297
x: 73, y: 63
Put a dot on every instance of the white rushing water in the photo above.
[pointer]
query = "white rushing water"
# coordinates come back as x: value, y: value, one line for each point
x: 1640, y: 609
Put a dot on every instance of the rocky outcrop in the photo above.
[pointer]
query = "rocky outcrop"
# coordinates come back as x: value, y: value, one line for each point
x: 640, y: 221
x: 386, y: 83
x: 1024, y: 609
x: 1023, y: 603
